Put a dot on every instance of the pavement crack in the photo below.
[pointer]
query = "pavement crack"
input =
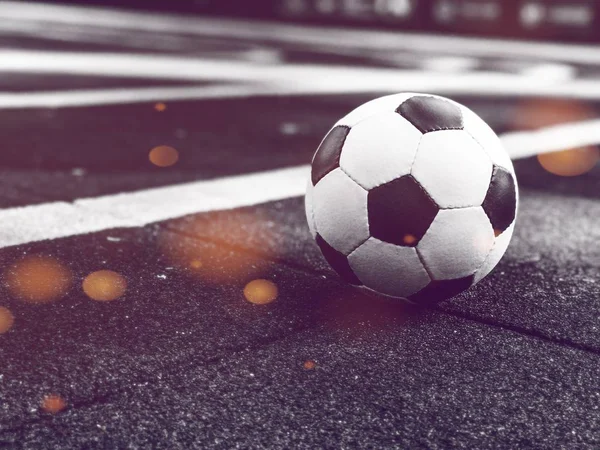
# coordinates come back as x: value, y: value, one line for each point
x: 463, y: 315
x: 523, y: 331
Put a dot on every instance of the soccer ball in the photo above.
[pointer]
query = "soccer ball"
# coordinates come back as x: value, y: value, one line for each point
x: 412, y: 196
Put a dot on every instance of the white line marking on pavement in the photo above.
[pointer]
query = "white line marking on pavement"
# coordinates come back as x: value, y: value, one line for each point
x: 274, y: 79
x: 127, y: 96
x: 523, y: 144
x: 414, y: 81
x: 194, y: 68
x: 36, y: 19
x: 135, y: 209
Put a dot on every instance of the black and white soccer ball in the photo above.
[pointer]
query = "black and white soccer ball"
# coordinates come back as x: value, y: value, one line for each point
x: 412, y: 196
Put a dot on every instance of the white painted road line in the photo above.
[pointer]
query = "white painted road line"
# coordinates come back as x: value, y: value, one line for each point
x: 190, y: 68
x: 523, y: 144
x: 36, y: 19
x: 415, y: 81
x: 135, y: 209
x: 279, y: 78
x: 128, y: 96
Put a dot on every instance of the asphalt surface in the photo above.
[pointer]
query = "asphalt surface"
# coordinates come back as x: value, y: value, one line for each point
x: 183, y: 360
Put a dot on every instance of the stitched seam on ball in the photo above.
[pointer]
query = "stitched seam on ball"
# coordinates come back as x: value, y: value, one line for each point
x: 415, y: 157
x: 351, y: 177
x: 373, y: 291
x: 365, y: 118
x: 366, y: 209
x: 491, y: 176
x: 487, y: 153
x: 339, y: 156
x: 491, y: 249
x: 389, y: 296
x: 444, y: 129
x: 494, y: 166
x: 494, y: 170
x: 356, y: 248
x: 312, y: 212
x: 487, y: 256
x: 426, y: 194
x: 422, y: 259
x: 462, y: 117
x: 508, y: 169
x: 459, y: 207
x: 325, y: 137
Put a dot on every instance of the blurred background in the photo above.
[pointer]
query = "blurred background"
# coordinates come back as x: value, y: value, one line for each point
x: 574, y: 20
x: 298, y: 65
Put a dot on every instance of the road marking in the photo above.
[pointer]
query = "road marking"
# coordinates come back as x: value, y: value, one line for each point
x: 261, y: 79
x: 415, y: 81
x: 135, y: 209
x: 523, y: 144
x: 127, y: 96
x: 75, y: 22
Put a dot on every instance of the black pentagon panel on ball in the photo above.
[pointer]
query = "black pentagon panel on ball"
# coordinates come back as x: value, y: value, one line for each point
x: 500, y: 203
x: 431, y: 114
x: 327, y: 157
x: 400, y: 212
x: 338, y: 261
x: 437, y: 291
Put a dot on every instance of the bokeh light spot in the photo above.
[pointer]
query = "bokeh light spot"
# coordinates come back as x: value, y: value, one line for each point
x: 409, y: 239
x: 570, y: 163
x: 53, y: 404
x: 310, y: 365
x: 104, y: 285
x: 218, y: 262
x: 160, y: 107
x: 196, y: 264
x: 260, y: 292
x: 163, y: 156
x: 38, y: 279
x: 538, y: 113
x: 532, y: 114
x: 6, y: 320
